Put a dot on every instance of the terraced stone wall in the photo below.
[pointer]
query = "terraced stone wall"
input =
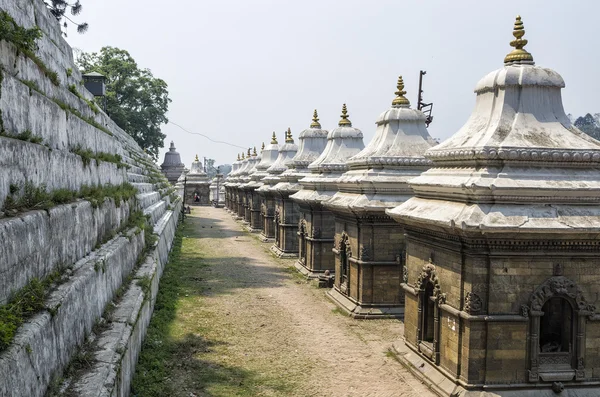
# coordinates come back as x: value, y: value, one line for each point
x: 84, y: 213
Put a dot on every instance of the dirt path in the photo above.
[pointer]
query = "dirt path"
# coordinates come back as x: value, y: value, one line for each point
x: 247, y: 324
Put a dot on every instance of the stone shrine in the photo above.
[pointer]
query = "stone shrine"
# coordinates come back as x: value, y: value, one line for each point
x: 369, y: 248
x: 197, y: 185
x: 502, y: 250
x: 227, y: 184
x: 268, y: 155
x: 317, y: 225
x: 245, y: 186
x: 269, y: 195
x: 242, y: 175
x: 172, y: 166
x: 231, y: 183
x: 311, y: 143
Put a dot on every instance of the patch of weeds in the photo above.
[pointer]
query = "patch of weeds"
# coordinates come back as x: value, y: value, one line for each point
x: 22, y: 305
x: 50, y: 74
x: 145, y: 284
x: 77, y: 113
x: 69, y: 72
x: 26, y: 136
x: 32, y: 86
x: 30, y: 197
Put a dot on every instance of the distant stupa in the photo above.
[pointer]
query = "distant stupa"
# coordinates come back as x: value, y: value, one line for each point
x: 172, y: 167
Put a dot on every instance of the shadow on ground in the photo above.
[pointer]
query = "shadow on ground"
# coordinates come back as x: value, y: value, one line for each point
x: 177, y: 359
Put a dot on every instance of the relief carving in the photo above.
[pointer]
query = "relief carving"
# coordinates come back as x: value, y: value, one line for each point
x: 473, y: 303
x: 429, y: 274
x: 316, y: 232
x: 365, y: 254
x: 559, y: 286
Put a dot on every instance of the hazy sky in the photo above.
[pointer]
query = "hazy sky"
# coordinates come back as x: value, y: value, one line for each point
x: 239, y: 70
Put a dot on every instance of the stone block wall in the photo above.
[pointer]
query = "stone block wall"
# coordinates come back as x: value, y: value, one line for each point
x: 93, y: 248
x: 486, y: 312
x: 320, y: 226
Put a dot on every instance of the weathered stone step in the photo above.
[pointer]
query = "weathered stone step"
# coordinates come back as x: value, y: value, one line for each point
x: 116, y: 349
x: 147, y: 199
x: 156, y: 211
x: 46, y: 343
x: 143, y: 187
x: 35, y: 243
x: 137, y: 178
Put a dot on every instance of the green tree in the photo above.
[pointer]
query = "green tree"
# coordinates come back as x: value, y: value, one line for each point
x: 135, y: 99
x: 59, y: 8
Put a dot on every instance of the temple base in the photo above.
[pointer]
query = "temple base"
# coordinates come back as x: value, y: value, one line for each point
x: 364, y: 312
x: 281, y: 253
x: 299, y: 265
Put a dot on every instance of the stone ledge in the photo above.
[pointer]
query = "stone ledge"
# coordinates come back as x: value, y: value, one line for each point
x: 118, y: 347
x: 45, y: 344
x: 36, y: 242
x: 278, y: 252
x: 364, y: 312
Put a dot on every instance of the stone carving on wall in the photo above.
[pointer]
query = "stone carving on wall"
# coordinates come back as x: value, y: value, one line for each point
x: 429, y: 274
x: 316, y: 232
x: 525, y: 311
x: 473, y: 303
x: 365, y: 254
x: 559, y: 286
x: 277, y: 219
x: 344, y: 243
x: 302, y: 227
x: 404, y: 275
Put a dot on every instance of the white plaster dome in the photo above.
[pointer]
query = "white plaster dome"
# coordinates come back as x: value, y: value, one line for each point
x: 343, y: 142
x: 518, y: 163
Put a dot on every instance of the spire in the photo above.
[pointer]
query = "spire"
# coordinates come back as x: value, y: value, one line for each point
x: 262, y: 147
x: 274, y: 139
x: 238, y: 159
x: 315, y: 120
x: 344, y: 122
x: 254, y: 154
x: 243, y: 157
x: 249, y: 153
x: 196, y: 158
x: 172, y: 147
x: 400, y: 98
x: 288, y: 136
x: 519, y: 55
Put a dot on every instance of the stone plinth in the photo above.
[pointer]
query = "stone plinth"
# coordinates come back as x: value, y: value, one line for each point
x: 369, y: 247
x: 317, y: 228
x: 502, y: 253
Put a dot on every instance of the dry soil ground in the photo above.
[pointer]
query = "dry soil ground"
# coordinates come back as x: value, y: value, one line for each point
x: 247, y: 324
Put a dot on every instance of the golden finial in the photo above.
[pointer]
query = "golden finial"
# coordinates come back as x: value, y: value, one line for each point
x: 315, y: 120
x: 519, y: 55
x: 344, y: 122
x: 400, y: 98
x: 254, y: 154
x: 196, y: 158
x: 249, y: 154
x: 262, y: 147
x: 274, y: 139
x: 288, y: 137
x: 238, y: 159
